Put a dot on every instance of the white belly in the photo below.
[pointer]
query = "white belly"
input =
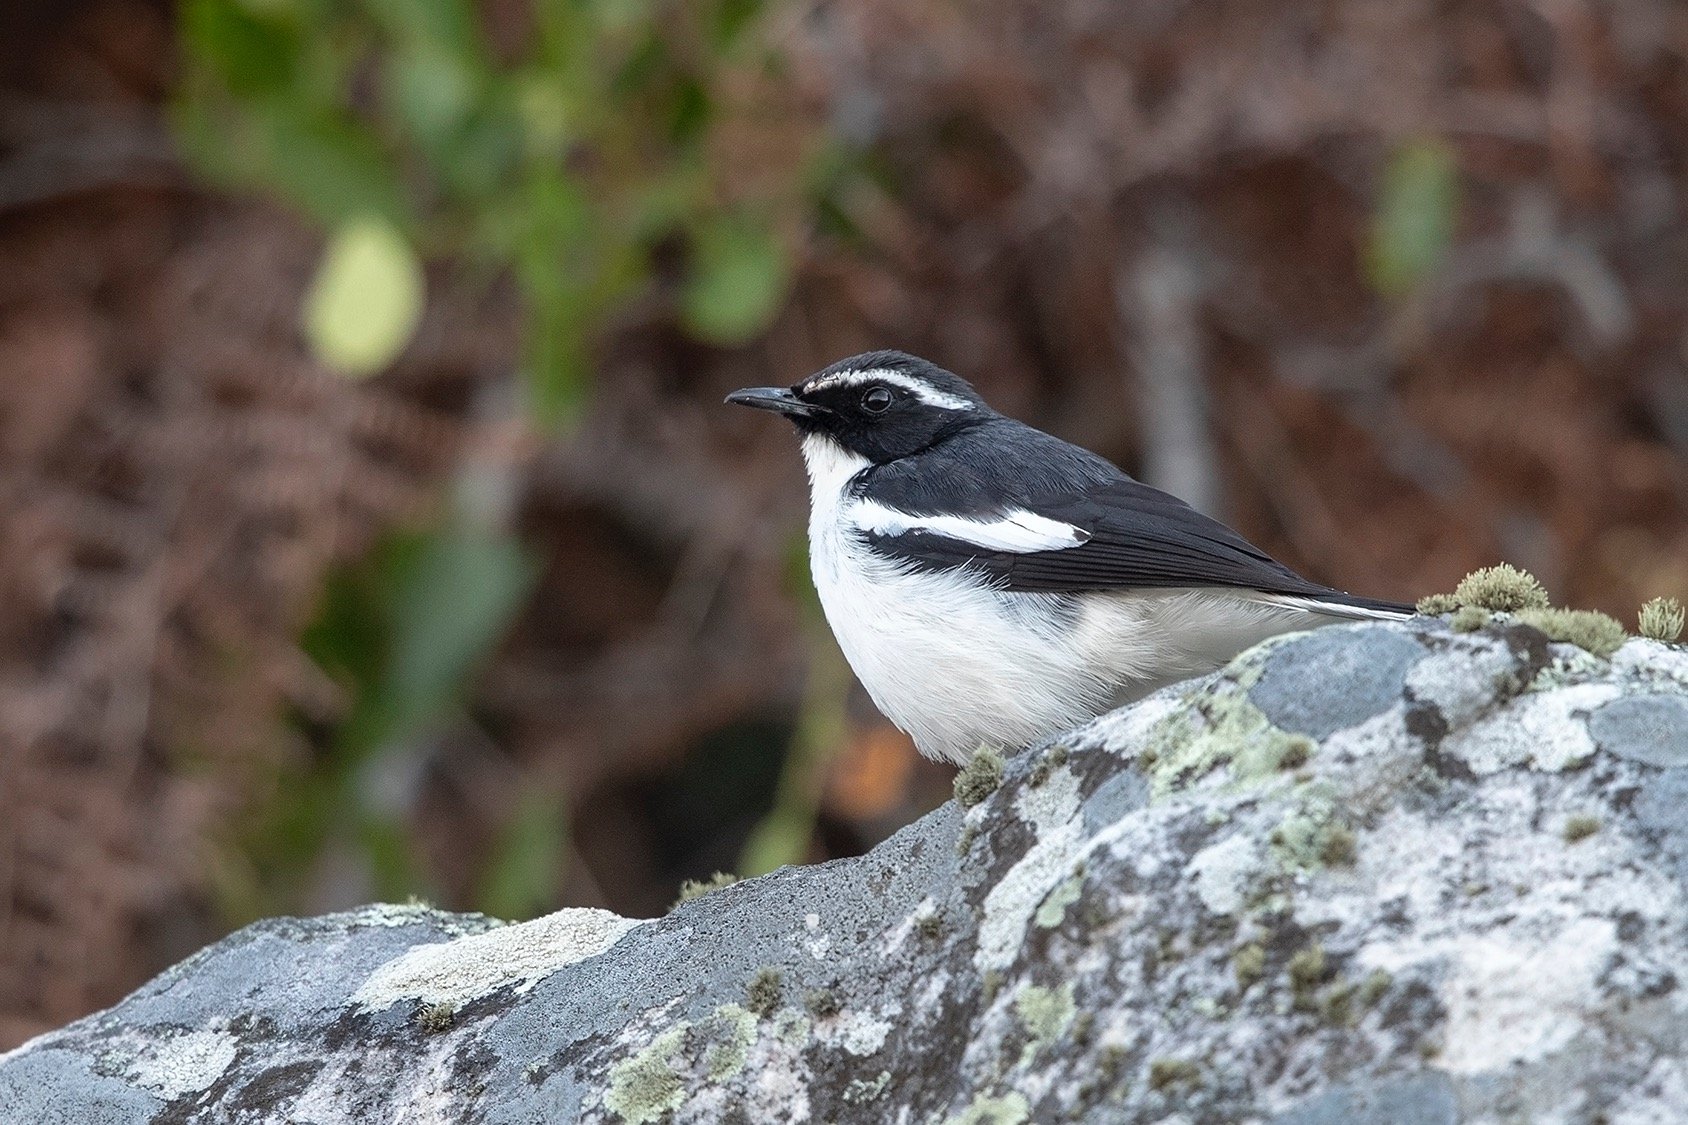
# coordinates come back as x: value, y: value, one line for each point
x: 956, y: 664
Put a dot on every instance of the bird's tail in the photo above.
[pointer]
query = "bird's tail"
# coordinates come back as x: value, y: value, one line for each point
x: 1339, y: 604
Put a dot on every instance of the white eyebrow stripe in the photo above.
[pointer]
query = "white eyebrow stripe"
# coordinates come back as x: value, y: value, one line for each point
x: 1016, y: 531
x: 931, y: 396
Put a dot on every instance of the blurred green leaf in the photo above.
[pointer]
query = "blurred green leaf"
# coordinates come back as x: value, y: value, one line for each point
x: 783, y: 835
x: 736, y: 281
x: 780, y: 838
x: 731, y: 18
x: 556, y: 363
x: 347, y: 638
x: 330, y: 166
x: 451, y: 602
x: 446, y: 24
x: 432, y: 92
x: 249, y: 53
x: 366, y: 299
x: 1413, y: 225
x: 544, y: 111
x: 529, y: 860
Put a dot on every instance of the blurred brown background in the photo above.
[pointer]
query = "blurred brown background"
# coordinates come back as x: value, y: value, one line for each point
x: 518, y: 618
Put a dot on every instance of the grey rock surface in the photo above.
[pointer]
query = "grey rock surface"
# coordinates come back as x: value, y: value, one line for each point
x: 1378, y: 875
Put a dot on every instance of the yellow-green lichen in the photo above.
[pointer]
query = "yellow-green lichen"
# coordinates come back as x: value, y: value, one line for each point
x: 726, y: 1056
x: 866, y: 1090
x: 1249, y: 964
x: 1307, y: 970
x: 1010, y: 1109
x: 1588, y: 629
x: 697, y: 888
x: 1581, y: 827
x: 1436, y: 605
x: 792, y: 1027
x: 1218, y: 725
x: 1054, y: 906
x: 1661, y: 619
x: 1045, y: 1013
x: 1312, y: 834
x: 1336, y: 847
x: 1374, y: 986
x: 980, y: 777
x: 646, y: 1087
x: 1336, y: 1003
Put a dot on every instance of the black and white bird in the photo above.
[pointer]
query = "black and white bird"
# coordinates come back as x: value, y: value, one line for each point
x: 991, y: 584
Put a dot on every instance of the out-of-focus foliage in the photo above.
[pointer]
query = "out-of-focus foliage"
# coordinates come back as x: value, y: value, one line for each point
x: 563, y: 159
x: 1413, y: 225
x: 568, y: 156
x: 401, y: 632
x: 366, y: 299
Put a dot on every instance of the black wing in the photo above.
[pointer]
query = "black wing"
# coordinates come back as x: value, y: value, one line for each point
x: 1140, y: 537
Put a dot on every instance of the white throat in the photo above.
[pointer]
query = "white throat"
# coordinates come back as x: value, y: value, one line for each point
x: 831, y: 468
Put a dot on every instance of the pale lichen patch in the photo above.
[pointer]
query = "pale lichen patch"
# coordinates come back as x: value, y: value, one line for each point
x: 859, y: 1033
x: 172, y: 1064
x: 1045, y: 1013
x: 866, y: 1089
x: 1054, y: 906
x: 1010, y: 1109
x: 1547, y: 729
x: 456, y: 972
x: 1225, y: 874
x: 1510, y: 1002
x: 1052, y: 811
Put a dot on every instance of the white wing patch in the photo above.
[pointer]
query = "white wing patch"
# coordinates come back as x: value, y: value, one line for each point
x: 1334, y: 609
x: 926, y: 393
x: 1016, y: 530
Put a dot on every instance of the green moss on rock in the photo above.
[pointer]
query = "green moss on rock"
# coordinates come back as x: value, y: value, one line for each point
x: 1249, y: 964
x: 1166, y: 1072
x: 435, y: 1018
x: 1469, y: 619
x: 1054, y: 758
x: 1581, y: 827
x: 697, y: 888
x: 1502, y: 589
x: 980, y: 777
x: 1588, y: 629
x: 1662, y: 619
x: 765, y: 991
x: 822, y: 1003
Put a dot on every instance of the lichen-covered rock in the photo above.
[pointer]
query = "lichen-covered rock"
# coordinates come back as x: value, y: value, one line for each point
x: 1378, y: 874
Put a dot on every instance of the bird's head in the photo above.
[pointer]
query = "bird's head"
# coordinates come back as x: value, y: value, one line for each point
x: 878, y: 405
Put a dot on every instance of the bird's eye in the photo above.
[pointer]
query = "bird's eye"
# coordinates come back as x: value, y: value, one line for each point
x: 877, y: 400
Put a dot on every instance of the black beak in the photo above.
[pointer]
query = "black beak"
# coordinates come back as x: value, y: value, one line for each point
x: 777, y: 399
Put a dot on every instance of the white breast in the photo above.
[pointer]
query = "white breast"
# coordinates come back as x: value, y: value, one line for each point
x: 946, y: 659
x: 955, y: 663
